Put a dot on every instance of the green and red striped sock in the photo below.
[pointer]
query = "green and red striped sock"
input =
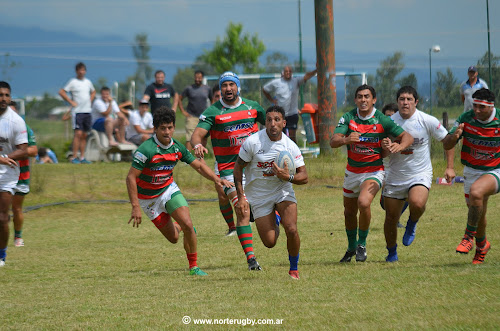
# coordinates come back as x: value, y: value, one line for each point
x: 227, y: 213
x: 246, y: 241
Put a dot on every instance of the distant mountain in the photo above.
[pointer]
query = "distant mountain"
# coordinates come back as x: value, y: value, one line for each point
x: 46, y: 59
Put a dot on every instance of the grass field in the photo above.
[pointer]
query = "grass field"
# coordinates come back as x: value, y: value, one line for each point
x: 83, y: 267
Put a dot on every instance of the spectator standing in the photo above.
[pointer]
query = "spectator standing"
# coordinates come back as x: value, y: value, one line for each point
x: 160, y: 93
x: 470, y: 86
x: 82, y: 95
x: 199, y: 97
x: 286, y: 91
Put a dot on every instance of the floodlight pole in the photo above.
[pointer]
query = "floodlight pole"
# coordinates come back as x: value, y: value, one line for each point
x: 325, y: 55
x: 489, y: 47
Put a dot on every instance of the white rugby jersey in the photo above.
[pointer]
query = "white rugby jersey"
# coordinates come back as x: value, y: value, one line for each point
x: 12, y: 132
x: 260, y: 152
x: 416, y: 159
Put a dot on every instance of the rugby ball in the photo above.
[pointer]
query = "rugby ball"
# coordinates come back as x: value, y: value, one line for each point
x: 284, y: 157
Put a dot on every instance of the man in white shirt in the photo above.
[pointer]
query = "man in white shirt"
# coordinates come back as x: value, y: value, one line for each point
x: 107, y: 117
x: 268, y: 187
x: 141, y: 126
x: 82, y: 93
x: 409, y: 175
x: 13, y: 147
x: 286, y: 91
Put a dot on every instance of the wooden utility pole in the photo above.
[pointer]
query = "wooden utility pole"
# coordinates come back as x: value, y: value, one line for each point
x: 325, y: 55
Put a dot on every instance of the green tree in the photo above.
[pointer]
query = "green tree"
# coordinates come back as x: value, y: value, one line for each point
x: 385, y: 78
x: 447, y: 89
x: 41, y: 108
x: 275, y: 62
x: 410, y: 80
x: 236, y: 51
x: 482, y: 67
x: 144, y: 71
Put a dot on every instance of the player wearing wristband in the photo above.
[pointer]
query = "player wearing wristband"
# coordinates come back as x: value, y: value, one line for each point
x: 268, y: 187
x: 480, y: 154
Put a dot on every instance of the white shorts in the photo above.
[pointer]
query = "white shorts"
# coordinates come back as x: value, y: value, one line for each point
x: 353, y: 181
x: 230, y: 178
x: 263, y: 205
x: 153, y: 208
x: 8, y: 188
x: 398, y: 189
x: 23, y: 188
x: 471, y: 175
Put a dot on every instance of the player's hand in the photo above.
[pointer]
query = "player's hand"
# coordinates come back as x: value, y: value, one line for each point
x: 200, y: 151
x: 281, y: 173
x: 352, y: 138
x: 8, y: 161
x: 458, y: 132
x: 395, y: 148
x: 449, y: 174
x: 386, y: 144
x: 136, y: 216
x: 242, y: 208
x: 73, y: 104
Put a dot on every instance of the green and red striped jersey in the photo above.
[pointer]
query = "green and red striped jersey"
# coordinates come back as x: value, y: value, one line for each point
x: 156, y: 162
x: 229, y: 128
x: 481, y: 145
x: 24, y: 164
x: 366, y: 155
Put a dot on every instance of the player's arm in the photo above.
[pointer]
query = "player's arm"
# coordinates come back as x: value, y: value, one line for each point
x: 300, y: 177
x: 452, y: 138
x: 204, y: 170
x: 21, y: 152
x: 65, y: 96
x: 136, y: 215
x: 32, y: 151
x: 340, y: 139
x: 197, y: 142
x: 405, y: 140
x: 449, y: 172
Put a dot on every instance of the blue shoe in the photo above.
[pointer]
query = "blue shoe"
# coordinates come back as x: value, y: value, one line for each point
x: 75, y: 161
x: 393, y: 254
x: 85, y: 161
x: 409, y: 235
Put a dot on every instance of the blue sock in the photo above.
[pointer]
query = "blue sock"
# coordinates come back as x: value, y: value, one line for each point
x: 404, y: 207
x: 3, y: 253
x: 294, y: 261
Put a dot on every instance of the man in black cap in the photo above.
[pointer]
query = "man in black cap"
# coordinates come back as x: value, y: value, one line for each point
x: 470, y: 86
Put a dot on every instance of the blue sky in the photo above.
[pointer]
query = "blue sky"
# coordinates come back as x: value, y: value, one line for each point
x: 361, y: 26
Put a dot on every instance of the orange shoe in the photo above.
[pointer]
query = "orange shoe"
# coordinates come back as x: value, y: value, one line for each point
x: 294, y: 274
x: 481, y: 253
x: 465, y: 245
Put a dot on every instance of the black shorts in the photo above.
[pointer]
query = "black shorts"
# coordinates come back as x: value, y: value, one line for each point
x: 292, y: 121
x: 83, y: 122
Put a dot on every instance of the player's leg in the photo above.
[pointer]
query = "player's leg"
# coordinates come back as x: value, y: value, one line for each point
x: 5, y: 203
x: 417, y: 200
x: 480, y: 190
x: 18, y: 219
x: 267, y: 229
x: 393, y: 208
x: 168, y: 228
x: 83, y: 145
x: 351, y: 226
x: 288, y: 213
x: 177, y: 206
x: 244, y: 232
x: 368, y: 190
x: 226, y: 210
